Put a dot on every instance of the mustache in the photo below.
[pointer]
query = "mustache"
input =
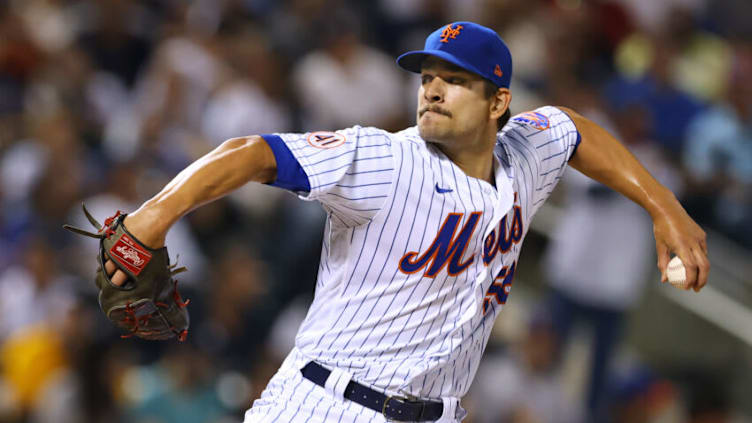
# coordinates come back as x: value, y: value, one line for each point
x: 434, y: 109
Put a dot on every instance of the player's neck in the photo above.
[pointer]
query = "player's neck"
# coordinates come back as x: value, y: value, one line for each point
x: 475, y: 162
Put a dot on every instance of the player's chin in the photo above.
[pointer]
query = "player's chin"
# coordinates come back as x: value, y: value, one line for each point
x: 430, y: 132
x: 429, y: 136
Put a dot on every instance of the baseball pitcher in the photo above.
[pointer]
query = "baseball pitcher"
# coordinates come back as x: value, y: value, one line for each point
x: 423, y: 233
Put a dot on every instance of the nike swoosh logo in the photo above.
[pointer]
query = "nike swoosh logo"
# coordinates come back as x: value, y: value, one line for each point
x: 441, y: 190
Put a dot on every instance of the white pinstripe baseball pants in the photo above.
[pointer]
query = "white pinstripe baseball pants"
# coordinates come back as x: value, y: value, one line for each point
x: 289, y: 397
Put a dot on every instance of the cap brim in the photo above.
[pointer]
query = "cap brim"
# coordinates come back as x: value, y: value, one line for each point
x: 412, y: 60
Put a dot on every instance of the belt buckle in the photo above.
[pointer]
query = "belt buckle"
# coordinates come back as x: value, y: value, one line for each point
x: 389, y: 398
x: 383, y: 407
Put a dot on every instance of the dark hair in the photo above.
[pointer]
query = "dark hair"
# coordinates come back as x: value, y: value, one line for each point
x: 490, y: 90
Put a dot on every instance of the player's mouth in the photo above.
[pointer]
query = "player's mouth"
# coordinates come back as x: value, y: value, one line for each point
x: 434, y: 109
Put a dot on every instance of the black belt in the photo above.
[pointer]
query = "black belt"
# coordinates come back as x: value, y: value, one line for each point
x: 393, y: 408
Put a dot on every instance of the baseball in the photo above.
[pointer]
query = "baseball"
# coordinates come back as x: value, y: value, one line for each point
x: 676, y: 274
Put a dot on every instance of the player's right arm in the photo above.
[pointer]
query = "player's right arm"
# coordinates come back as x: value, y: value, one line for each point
x: 234, y: 163
x: 603, y: 158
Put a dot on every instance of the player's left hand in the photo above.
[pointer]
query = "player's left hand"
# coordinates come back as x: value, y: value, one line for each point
x: 676, y: 232
x: 148, y: 304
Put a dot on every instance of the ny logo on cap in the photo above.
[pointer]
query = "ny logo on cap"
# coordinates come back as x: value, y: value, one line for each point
x: 450, y: 32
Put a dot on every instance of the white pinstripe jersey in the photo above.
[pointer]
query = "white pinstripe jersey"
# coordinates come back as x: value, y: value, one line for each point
x: 418, y: 258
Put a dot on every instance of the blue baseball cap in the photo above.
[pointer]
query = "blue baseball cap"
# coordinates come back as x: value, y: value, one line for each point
x: 468, y: 45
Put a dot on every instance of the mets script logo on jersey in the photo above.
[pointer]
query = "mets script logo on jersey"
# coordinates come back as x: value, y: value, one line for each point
x: 448, y: 247
x: 450, y: 32
x: 445, y: 249
x: 508, y: 234
x: 325, y: 139
x: 534, y: 119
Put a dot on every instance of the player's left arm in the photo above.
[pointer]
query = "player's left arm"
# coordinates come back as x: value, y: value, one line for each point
x: 601, y: 157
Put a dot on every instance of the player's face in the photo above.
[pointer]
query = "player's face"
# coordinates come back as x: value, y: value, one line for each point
x: 452, y: 105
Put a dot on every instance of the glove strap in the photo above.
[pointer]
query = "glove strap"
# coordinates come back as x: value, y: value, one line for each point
x: 93, y: 222
x: 82, y: 232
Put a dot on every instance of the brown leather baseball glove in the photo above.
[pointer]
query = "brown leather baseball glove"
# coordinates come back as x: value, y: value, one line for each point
x: 148, y: 305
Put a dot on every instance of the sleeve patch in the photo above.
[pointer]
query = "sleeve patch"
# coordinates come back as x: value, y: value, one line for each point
x: 326, y: 140
x: 536, y: 120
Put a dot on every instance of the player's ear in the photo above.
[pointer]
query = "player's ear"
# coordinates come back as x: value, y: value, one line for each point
x: 500, y: 102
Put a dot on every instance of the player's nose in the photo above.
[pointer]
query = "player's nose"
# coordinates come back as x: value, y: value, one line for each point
x: 433, y: 91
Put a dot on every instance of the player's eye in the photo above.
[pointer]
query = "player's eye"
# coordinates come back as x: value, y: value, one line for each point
x: 425, y: 79
x: 456, y: 80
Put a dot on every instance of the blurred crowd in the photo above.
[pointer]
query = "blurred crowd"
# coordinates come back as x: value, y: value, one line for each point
x: 103, y: 101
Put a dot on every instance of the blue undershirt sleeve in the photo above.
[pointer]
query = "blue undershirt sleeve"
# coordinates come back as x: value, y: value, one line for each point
x: 290, y: 174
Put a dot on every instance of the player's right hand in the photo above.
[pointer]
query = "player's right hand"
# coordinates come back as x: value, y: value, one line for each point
x: 676, y: 232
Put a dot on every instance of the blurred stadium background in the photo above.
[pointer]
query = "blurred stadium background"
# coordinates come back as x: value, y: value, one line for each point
x: 104, y: 101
